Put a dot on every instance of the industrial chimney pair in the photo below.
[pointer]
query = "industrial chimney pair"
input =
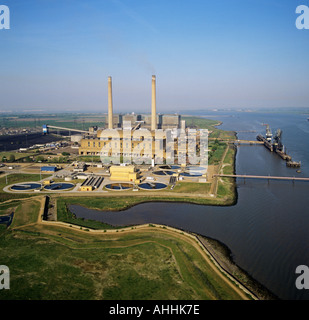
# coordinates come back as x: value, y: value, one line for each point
x: 153, y: 104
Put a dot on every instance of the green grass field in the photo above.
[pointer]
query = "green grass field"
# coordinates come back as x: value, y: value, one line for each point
x: 226, y: 186
x: 144, y: 266
x: 200, y: 123
x: 66, y: 120
x: 17, y: 155
x: 192, y: 187
x: 203, y: 123
x: 7, y: 207
x: 50, y: 262
x: 216, y: 152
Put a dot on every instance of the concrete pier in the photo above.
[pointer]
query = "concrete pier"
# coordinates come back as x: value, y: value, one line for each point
x: 260, y: 177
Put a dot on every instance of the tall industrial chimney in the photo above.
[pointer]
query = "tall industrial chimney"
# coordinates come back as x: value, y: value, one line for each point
x: 110, y: 104
x: 153, y: 105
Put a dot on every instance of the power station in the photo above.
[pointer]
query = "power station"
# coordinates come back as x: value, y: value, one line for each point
x: 114, y: 121
x: 151, y: 138
x: 129, y: 135
x: 152, y: 122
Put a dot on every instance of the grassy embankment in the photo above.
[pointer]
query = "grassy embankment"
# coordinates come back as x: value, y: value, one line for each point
x: 53, y: 262
x: 226, y: 186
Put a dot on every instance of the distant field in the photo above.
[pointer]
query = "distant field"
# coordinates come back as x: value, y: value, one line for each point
x: 84, y: 121
x: 17, y: 155
x: 201, y: 123
x: 73, y: 121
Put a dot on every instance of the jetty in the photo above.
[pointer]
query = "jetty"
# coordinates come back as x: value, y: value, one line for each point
x: 245, y: 176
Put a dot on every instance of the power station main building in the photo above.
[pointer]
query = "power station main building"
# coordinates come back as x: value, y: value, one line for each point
x: 136, y: 135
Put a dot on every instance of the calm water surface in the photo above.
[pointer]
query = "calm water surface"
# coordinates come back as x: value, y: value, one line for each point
x: 268, y: 229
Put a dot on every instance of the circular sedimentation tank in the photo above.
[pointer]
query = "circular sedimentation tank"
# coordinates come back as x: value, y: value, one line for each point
x: 164, y: 173
x: 119, y: 186
x: 196, y: 168
x: 152, y: 186
x: 26, y: 186
x: 194, y: 171
x: 59, y: 186
x: 191, y: 174
x: 169, y: 167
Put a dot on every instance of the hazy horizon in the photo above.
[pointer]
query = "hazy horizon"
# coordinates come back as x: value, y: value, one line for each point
x: 303, y: 110
x: 240, y: 54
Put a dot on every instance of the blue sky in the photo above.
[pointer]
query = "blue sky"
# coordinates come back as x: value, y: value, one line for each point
x: 205, y: 54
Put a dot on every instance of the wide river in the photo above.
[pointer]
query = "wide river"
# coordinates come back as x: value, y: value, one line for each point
x: 267, y: 230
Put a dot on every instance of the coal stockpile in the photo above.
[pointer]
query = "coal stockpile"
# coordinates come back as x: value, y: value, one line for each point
x: 14, y: 142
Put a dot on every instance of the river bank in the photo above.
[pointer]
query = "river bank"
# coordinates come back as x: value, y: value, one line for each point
x: 223, y: 255
x: 220, y: 253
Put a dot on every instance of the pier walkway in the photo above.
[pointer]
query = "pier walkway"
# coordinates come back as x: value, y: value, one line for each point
x: 244, y: 176
x: 247, y: 142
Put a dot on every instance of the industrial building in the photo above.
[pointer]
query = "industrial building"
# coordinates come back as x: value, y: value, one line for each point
x: 124, y: 173
x: 132, y: 139
x: 91, y: 183
x: 163, y: 121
